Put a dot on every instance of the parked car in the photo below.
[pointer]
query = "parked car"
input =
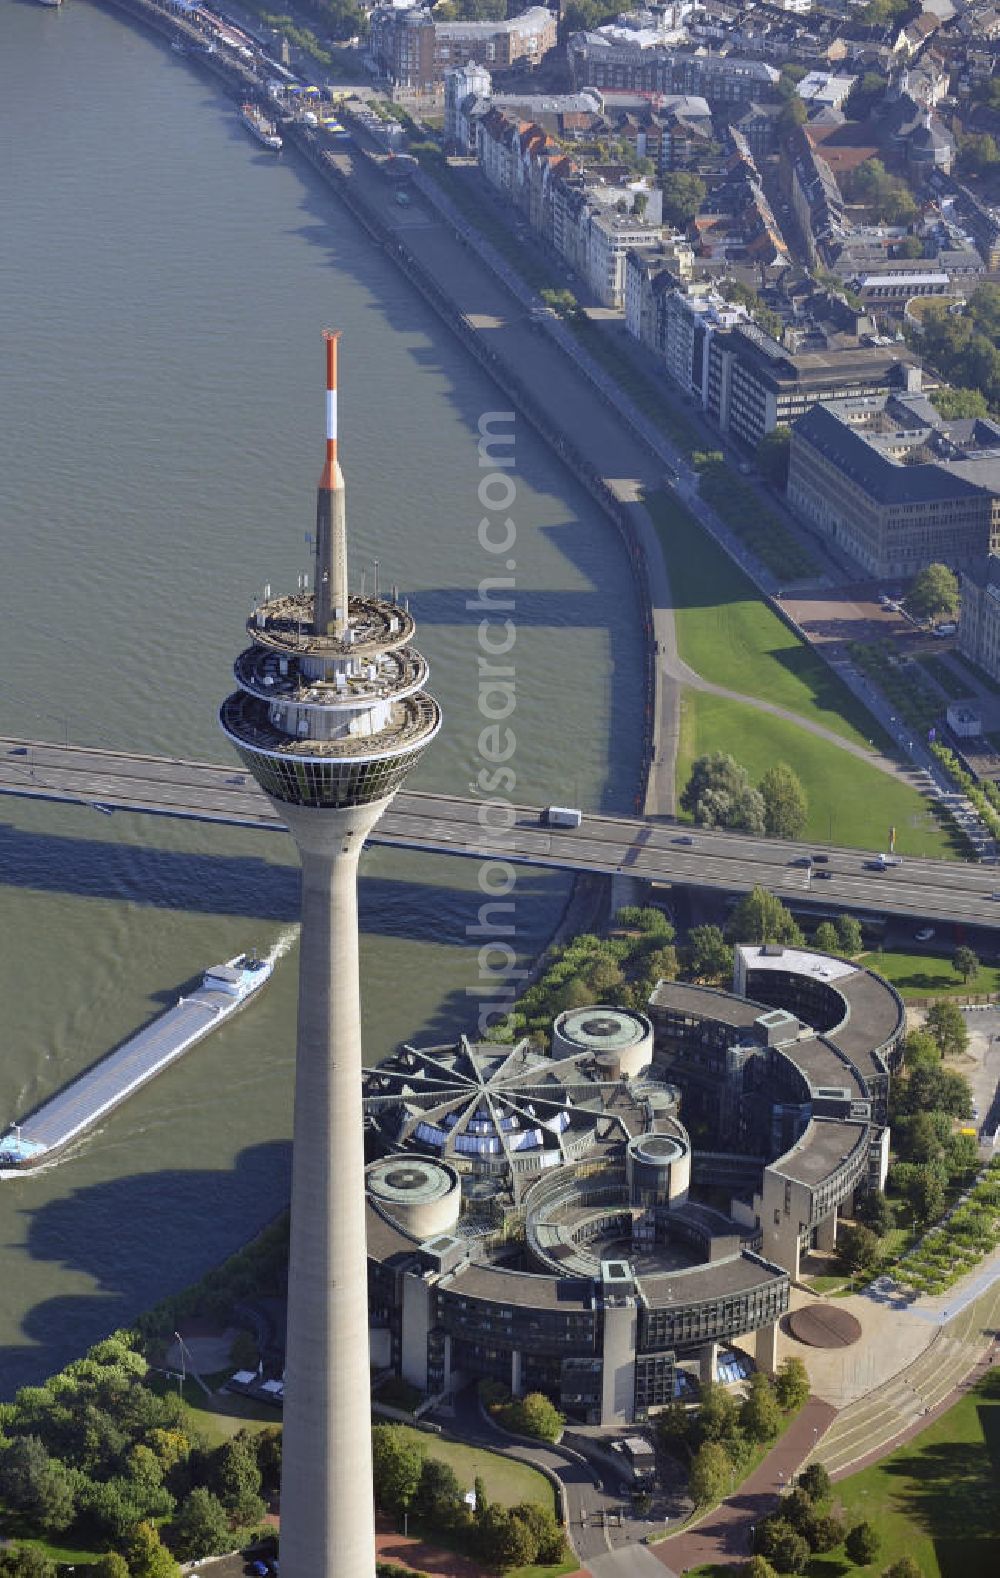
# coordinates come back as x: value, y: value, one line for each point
x: 925, y: 934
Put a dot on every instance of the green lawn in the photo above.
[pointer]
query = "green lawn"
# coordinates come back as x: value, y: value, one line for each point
x: 223, y: 1413
x: 850, y: 802
x: 507, y: 1480
x: 930, y: 975
x: 938, y: 1498
x: 729, y: 635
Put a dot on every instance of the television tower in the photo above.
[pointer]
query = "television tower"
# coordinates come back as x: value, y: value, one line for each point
x: 329, y: 717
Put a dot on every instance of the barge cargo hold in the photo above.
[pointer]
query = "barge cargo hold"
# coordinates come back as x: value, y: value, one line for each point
x: 224, y: 990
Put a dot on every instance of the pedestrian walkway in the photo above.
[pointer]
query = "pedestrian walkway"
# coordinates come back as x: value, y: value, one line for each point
x: 867, y: 1429
x: 725, y: 1534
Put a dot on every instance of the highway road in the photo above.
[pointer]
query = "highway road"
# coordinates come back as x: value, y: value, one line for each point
x: 955, y: 892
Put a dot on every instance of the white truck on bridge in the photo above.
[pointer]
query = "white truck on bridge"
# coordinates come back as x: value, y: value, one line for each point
x: 563, y: 816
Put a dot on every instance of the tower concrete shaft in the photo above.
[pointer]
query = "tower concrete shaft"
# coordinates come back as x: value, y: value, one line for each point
x: 326, y: 1483
x: 329, y: 716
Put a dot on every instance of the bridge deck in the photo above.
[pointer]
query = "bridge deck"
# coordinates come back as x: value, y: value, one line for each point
x: 959, y: 892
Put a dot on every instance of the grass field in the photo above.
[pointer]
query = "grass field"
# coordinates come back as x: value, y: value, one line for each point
x: 937, y: 1499
x: 850, y: 802
x: 223, y: 1413
x: 729, y: 635
x: 930, y: 975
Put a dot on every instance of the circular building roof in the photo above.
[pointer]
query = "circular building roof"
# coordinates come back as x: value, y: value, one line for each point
x: 410, y: 1180
x: 658, y: 1149
x: 602, y: 1029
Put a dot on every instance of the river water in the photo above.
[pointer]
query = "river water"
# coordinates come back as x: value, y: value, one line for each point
x: 163, y: 283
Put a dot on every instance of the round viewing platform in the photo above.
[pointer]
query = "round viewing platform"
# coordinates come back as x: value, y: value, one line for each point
x: 375, y: 625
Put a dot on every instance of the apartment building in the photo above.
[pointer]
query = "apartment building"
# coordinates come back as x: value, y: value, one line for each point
x: 415, y: 51
x: 754, y: 384
x: 896, y: 486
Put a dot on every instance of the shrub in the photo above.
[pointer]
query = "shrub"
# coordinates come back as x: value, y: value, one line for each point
x: 863, y: 1544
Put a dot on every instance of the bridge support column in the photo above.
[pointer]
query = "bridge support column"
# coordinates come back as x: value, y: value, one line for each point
x: 708, y: 1359
x: 766, y: 1348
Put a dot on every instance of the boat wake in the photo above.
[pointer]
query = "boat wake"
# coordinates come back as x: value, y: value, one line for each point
x: 285, y: 943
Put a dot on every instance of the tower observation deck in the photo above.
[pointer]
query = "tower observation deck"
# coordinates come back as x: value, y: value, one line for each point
x: 329, y: 716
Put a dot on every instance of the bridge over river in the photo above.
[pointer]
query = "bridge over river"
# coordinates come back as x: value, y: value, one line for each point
x: 952, y: 892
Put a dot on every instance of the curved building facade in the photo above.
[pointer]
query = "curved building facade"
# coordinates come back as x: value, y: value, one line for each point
x: 594, y: 1247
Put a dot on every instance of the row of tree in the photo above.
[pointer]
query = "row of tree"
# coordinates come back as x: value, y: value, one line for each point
x: 719, y: 793
x: 720, y: 1436
x: 804, y: 1525
x: 409, y: 1479
x: 622, y: 968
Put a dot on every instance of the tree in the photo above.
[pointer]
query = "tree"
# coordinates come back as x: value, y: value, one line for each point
x: 235, y: 1478
x: 111, y: 1565
x: 760, y: 1416
x: 825, y: 937
x: 548, y: 1540
x: 797, y: 1509
x: 814, y: 1479
x: 718, y: 794
x: 868, y: 89
x: 946, y: 1023
x: 515, y: 1543
x: 148, y: 1557
x: 849, y: 935
x: 785, y: 803
x: 978, y: 153
x: 926, y: 1193
x: 826, y: 1532
x: 27, y: 1561
x: 934, y: 592
x: 709, y: 956
x: 863, y: 1543
x: 718, y: 1413
x: 759, y: 917
x: 904, y: 1567
x: 791, y: 1387
x: 683, y: 195
x: 961, y: 1155
x: 36, y: 1485
x: 920, y: 1050
x: 533, y: 1415
x: 201, y: 1527
x: 711, y: 1474
x: 858, y: 1249
x: 955, y: 404
x: 875, y: 1211
x: 397, y: 1461
x: 439, y: 1499
x: 782, y: 1544
x: 758, y: 1567
x: 965, y: 963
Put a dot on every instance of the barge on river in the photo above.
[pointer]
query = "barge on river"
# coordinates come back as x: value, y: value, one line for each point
x: 224, y: 990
